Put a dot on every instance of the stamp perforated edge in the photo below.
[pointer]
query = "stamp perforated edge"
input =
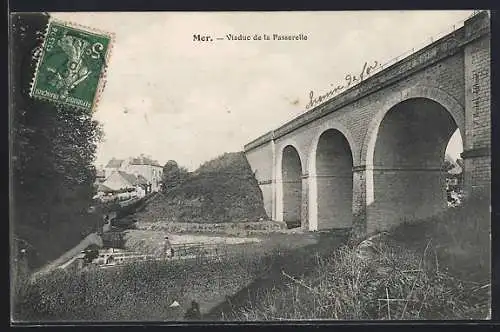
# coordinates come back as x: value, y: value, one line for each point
x: 38, y: 60
x: 104, y: 69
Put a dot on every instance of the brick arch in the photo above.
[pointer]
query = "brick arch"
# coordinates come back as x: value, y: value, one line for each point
x: 279, y: 156
x: 279, y: 174
x: 313, y: 208
x: 456, y: 110
x: 385, y: 189
x: 311, y: 160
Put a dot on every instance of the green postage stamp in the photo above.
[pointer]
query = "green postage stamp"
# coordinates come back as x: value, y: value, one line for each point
x: 72, y: 65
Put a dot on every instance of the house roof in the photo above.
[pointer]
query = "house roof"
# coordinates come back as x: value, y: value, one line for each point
x: 455, y: 163
x: 130, y: 178
x: 114, y: 163
x: 133, y: 179
x: 142, y: 160
x: 121, y: 180
x: 104, y: 188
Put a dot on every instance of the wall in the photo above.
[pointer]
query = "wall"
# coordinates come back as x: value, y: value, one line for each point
x: 261, y: 162
x: 478, y: 103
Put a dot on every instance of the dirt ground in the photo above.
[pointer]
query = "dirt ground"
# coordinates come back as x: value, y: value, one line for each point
x: 148, y: 241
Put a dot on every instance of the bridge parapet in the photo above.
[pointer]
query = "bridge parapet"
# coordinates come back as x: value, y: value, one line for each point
x: 448, y: 45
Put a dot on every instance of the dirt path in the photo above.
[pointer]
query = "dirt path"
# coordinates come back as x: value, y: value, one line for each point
x: 152, y: 241
x: 69, y: 255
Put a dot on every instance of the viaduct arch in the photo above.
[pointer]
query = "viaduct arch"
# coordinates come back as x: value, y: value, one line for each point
x: 371, y: 157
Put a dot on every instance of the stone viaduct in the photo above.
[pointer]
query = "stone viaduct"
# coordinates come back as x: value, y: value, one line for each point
x: 372, y: 156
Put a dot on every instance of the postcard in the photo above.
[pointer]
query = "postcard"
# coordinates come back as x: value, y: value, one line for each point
x: 250, y: 166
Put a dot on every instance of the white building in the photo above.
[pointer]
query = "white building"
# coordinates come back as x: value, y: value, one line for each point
x: 150, y: 169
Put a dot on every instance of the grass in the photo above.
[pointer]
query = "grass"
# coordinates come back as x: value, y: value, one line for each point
x: 346, y: 287
x: 144, y: 290
x: 139, y: 291
x: 434, y: 269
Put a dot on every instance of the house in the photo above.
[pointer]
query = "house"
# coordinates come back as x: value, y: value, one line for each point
x: 150, y: 169
x: 120, y: 181
x: 112, y: 165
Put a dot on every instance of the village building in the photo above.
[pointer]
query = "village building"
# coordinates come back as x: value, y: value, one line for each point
x: 122, y: 182
x: 144, y: 166
x: 454, y: 179
x: 112, y: 166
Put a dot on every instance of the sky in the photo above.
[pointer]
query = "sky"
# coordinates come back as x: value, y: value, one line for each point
x: 173, y: 98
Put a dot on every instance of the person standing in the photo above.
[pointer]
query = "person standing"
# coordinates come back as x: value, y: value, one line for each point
x: 106, y: 227
x: 168, y: 251
x: 193, y: 313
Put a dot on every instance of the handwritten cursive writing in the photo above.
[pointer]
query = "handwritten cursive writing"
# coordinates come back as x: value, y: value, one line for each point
x: 349, y: 79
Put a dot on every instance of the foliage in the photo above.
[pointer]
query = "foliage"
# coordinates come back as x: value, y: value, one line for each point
x: 173, y: 175
x: 53, y: 148
x: 416, y: 268
x: 221, y: 190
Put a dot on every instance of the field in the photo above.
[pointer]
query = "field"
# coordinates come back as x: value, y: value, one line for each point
x: 433, y: 269
x: 144, y: 291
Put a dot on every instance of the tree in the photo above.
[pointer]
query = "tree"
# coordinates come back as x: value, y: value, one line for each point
x: 53, y: 148
x: 173, y: 175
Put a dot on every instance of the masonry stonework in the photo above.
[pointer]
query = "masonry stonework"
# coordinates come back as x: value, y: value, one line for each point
x: 440, y: 88
x: 478, y: 119
x: 259, y: 160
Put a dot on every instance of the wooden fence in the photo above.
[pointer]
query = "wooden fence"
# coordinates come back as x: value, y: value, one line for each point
x: 202, y: 253
x: 199, y: 249
x: 113, y: 240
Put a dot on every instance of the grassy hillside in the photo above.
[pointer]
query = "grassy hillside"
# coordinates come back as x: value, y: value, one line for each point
x: 143, y: 291
x: 438, y: 268
x: 221, y: 190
